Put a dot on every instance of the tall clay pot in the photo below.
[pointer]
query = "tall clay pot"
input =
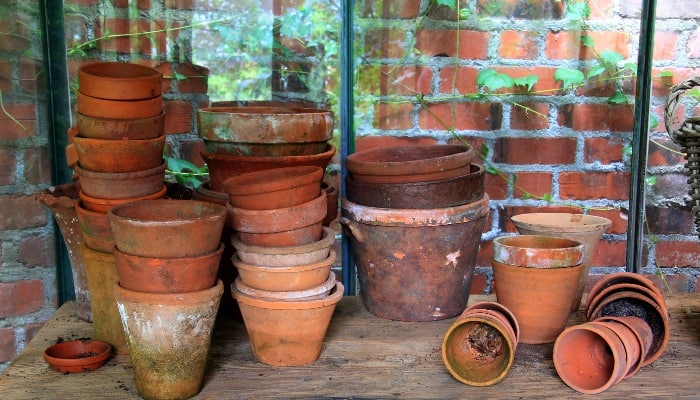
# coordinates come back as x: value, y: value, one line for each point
x: 101, y: 271
x: 61, y: 201
x: 583, y: 228
x: 168, y: 336
x: 415, y: 265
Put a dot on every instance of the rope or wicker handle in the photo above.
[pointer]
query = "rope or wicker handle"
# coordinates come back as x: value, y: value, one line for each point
x: 672, y: 102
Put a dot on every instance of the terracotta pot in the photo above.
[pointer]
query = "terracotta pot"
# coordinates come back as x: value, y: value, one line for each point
x: 450, y: 192
x: 642, y: 335
x: 404, y: 164
x: 287, y: 333
x: 222, y: 167
x: 120, y: 81
x: 586, y: 229
x: 501, y: 309
x: 121, y: 185
x: 104, y: 155
x: 117, y: 129
x: 77, y: 355
x: 592, y: 302
x: 332, y: 197
x: 61, y: 201
x: 478, y: 349
x: 540, y: 298
x: 169, y: 336
x: 264, y: 124
x: 284, y: 279
x: 119, y: 109
x: 590, y: 358
x: 315, y: 292
x: 534, y: 251
x: 264, y: 149
x: 626, y: 303
x: 104, y: 205
x: 288, y: 226
x: 97, y: 233
x: 274, y: 188
x: 205, y: 193
x: 167, y: 275
x: 286, y: 256
x: 619, y: 278
x: 402, y: 278
x: 167, y: 228
x: 101, y: 272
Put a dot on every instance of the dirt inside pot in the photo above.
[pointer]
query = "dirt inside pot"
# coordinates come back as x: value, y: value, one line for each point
x: 640, y: 309
x: 486, y: 341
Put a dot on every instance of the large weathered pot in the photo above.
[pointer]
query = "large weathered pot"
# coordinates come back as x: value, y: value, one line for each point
x: 120, y: 81
x: 415, y: 265
x: 274, y: 188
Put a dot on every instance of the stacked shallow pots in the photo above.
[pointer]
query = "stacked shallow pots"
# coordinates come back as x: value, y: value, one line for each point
x: 116, y: 149
x: 285, y: 289
x: 627, y: 330
x: 167, y: 255
x: 414, y: 215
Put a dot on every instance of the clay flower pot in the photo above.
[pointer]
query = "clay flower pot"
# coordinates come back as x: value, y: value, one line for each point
x: 620, y: 278
x: 534, y: 251
x: 287, y: 333
x: 117, y: 129
x: 593, y: 301
x: 104, y: 205
x: 642, y: 336
x: 540, y: 298
x: 169, y: 336
x: 223, y: 166
x: 264, y: 124
x: 264, y: 149
x: 120, y: 81
x: 288, y: 226
x: 119, y: 109
x: 167, y: 275
x: 97, y: 233
x: 274, y: 188
x: 284, y: 279
x: 479, y: 348
x: 77, y: 355
x: 316, y: 292
x: 583, y: 228
x: 286, y: 256
x: 105, y: 155
x: 167, y: 228
x: 590, y: 358
x: 121, y: 185
x: 501, y: 309
x: 61, y: 201
x: 450, y: 192
x: 404, y: 164
x: 402, y: 278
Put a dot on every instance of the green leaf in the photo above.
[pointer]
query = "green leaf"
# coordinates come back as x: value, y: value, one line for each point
x: 449, y: 3
x: 527, y: 195
x: 577, y: 10
x: 627, y: 150
x: 181, y: 165
x: 587, y: 41
x: 596, y: 70
x: 465, y: 13
x: 494, y: 80
x: 666, y: 74
x: 617, y: 98
x: 610, y: 57
x: 569, y: 77
x: 547, y: 197
x: 650, y: 180
x: 484, y: 149
x: 528, y: 81
x: 653, y: 121
x: 492, y: 170
x: 485, y: 75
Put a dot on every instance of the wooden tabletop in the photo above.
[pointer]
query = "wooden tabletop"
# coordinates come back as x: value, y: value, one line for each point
x: 363, y: 357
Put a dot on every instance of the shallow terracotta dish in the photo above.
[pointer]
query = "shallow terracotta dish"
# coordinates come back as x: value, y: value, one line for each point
x: 274, y: 188
x: 120, y: 81
x: 115, y: 129
x: 119, y: 109
x: 77, y: 355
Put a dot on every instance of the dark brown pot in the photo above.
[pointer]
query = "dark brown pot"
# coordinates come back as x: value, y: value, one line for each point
x: 450, y: 192
x: 104, y: 155
x: 120, y: 81
x: 97, y: 234
x: 104, y: 205
x: 121, y: 185
x: 117, y: 129
x: 274, y: 188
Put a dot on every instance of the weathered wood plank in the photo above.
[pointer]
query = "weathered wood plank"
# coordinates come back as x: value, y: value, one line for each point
x: 363, y: 357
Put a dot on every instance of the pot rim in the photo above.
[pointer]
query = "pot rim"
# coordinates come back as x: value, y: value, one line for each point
x: 168, y: 299
x: 330, y: 150
x: 272, y: 180
x: 326, y: 240
x: 576, y: 222
x: 179, y: 260
x: 292, y: 295
x: 336, y: 294
x: 284, y: 269
x: 506, y: 253
x: 213, y: 212
x: 103, y: 349
x: 278, y: 219
x: 254, y: 111
x: 457, y: 155
x: 86, y: 173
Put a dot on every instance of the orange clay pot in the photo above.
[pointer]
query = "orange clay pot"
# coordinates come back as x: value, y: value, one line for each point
x: 287, y: 333
x: 104, y: 205
x: 117, y: 129
x: 478, y: 349
x: 104, y: 155
x: 119, y: 109
x: 167, y: 275
x: 592, y: 303
x: 642, y: 335
x: 97, y: 234
x: 77, y: 355
x: 501, y: 309
x: 274, y: 188
x: 284, y: 279
x: 286, y: 256
x: 623, y: 277
x: 404, y: 164
x: 586, y: 229
x: 534, y: 251
x: 167, y: 228
x: 222, y: 167
x: 590, y: 358
x: 121, y: 185
x: 169, y: 336
x: 315, y: 292
x: 120, y: 81
x: 540, y: 298
x: 288, y: 226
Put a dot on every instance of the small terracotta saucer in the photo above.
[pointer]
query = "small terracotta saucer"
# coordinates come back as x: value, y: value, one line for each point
x: 77, y: 355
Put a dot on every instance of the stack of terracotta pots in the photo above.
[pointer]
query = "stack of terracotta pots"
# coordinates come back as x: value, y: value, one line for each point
x: 414, y: 215
x: 116, y: 149
x: 627, y: 330
x: 167, y: 255
x: 285, y: 288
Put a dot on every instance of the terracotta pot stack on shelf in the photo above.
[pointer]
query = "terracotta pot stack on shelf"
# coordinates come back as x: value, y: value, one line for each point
x: 167, y: 255
x: 285, y: 288
x: 399, y: 199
